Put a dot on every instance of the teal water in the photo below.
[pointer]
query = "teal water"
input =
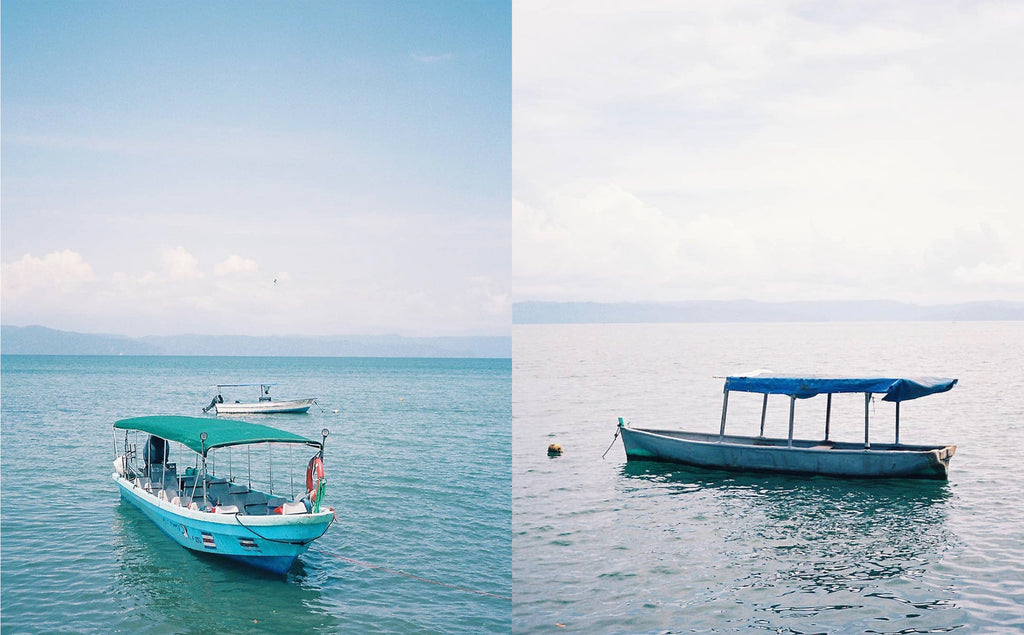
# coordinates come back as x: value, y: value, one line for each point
x: 606, y: 546
x: 418, y: 468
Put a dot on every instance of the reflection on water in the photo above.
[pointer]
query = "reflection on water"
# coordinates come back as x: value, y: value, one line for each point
x: 807, y: 547
x: 76, y: 560
x: 658, y: 548
x: 168, y: 586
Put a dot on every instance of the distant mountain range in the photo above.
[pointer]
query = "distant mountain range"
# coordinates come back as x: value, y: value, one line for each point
x: 751, y: 311
x: 38, y: 340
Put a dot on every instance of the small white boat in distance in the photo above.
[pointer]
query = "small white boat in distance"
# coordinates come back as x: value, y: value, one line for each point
x: 263, y: 405
x: 802, y: 456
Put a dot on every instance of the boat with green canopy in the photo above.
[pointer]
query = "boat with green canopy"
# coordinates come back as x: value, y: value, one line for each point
x: 802, y: 456
x: 213, y: 506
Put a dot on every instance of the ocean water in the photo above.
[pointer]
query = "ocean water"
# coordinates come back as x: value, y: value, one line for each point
x: 606, y: 546
x: 418, y: 469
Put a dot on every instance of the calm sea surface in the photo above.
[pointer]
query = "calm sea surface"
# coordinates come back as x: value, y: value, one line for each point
x: 602, y: 546
x: 418, y: 469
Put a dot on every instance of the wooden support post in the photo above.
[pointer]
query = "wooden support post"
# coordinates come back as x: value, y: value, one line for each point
x: 764, y: 409
x: 725, y: 407
x: 867, y: 404
x: 792, y: 409
x: 828, y: 415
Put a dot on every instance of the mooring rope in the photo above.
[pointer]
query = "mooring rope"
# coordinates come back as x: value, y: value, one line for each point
x: 612, y: 443
x: 409, y: 575
x: 284, y: 542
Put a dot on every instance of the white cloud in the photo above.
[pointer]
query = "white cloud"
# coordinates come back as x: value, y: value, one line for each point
x: 372, y: 273
x: 235, y: 264
x: 597, y: 241
x: 768, y: 150
x: 586, y: 231
x: 427, y: 58
x: 1005, y: 274
x: 869, y: 40
x: 60, y: 271
x: 180, y: 264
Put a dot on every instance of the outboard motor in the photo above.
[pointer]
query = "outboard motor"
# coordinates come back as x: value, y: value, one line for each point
x: 216, y: 400
x: 156, y: 451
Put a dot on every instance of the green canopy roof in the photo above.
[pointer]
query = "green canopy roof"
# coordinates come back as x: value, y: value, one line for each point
x: 220, y: 432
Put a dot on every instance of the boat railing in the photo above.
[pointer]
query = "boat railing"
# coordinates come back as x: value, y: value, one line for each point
x: 129, y: 458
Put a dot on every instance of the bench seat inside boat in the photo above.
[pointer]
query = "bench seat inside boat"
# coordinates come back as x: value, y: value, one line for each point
x: 161, y: 476
x: 220, y: 492
x: 249, y: 502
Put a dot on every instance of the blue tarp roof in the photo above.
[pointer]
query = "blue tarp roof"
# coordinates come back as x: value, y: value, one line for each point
x: 894, y: 389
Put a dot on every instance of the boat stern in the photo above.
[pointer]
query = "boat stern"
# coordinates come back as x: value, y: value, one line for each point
x: 938, y: 461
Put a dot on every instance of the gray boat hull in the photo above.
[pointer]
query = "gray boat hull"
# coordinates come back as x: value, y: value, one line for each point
x: 759, y: 454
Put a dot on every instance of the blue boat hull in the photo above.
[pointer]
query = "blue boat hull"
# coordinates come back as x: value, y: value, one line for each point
x: 271, y: 543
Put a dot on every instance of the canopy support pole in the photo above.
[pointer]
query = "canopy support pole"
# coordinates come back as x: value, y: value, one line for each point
x: 202, y: 440
x: 725, y: 407
x: 867, y: 404
x: 764, y: 409
x: 897, y: 423
x: 828, y: 414
x: 792, y: 409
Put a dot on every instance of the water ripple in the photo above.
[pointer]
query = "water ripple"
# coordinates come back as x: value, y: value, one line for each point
x: 420, y: 485
x: 638, y: 547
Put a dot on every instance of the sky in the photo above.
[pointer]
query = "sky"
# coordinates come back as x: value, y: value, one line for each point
x: 267, y: 168
x: 773, y: 151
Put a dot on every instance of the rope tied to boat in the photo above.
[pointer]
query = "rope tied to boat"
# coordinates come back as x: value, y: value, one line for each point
x: 411, y: 576
x: 611, y: 444
x: 334, y: 517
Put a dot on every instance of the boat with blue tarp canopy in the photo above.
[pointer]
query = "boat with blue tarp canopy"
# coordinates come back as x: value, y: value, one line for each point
x: 221, y: 511
x: 893, y: 389
x: 802, y: 456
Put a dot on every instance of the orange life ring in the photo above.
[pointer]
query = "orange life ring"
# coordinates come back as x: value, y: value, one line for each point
x: 315, y: 465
